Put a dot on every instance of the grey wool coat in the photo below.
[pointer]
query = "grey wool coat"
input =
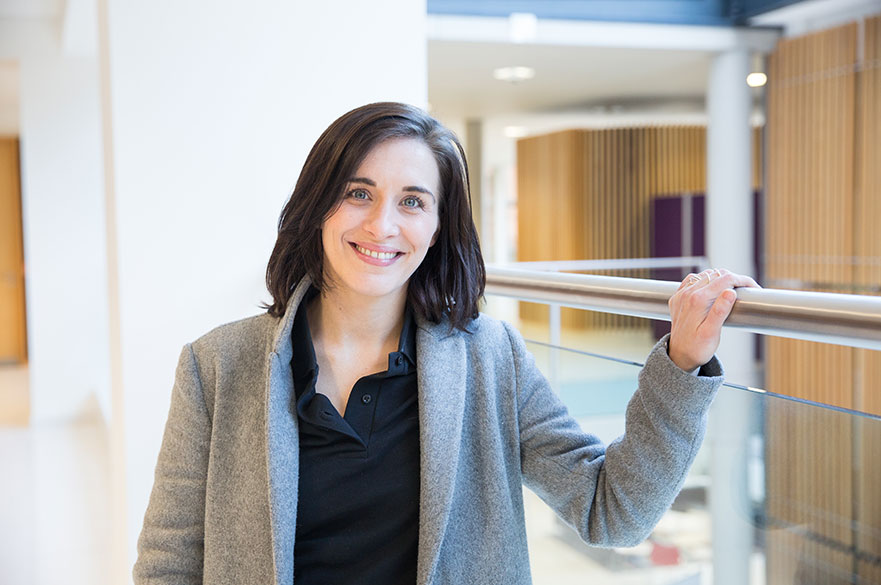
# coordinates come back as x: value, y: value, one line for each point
x: 224, y: 502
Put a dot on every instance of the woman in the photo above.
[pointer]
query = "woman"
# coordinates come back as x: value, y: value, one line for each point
x: 372, y: 427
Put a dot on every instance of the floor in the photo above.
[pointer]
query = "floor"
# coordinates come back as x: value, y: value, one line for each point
x: 14, y: 401
x: 54, y: 519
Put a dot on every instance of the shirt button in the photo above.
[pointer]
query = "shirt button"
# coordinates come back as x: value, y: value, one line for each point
x: 366, y: 398
x: 399, y: 360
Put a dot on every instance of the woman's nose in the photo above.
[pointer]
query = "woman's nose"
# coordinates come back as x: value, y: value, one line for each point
x: 382, y: 222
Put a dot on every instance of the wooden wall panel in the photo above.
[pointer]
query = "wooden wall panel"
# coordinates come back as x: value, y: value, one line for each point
x: 867, y: 521
x: 548, y: 224
x: 811, y: 477
x: 868, y: 504
x: 611, y: 174
x: 823, y: 209
x: 823, y: 202
x: 868, y: 161
x: 13, y: 337
x: 810, y: 173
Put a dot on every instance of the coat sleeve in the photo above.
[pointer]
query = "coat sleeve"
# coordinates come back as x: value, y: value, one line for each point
x: 170, y: 547
x: 613, y: 496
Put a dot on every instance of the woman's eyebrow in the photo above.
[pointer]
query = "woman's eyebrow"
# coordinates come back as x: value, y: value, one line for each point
x: 408, y: 188
x: 418, y: 189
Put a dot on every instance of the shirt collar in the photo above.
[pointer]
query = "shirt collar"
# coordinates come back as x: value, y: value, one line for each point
x: 407, y: 344
x: 304, y: 363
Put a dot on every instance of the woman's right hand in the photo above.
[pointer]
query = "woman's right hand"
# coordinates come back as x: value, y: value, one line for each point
x: 698, y: 309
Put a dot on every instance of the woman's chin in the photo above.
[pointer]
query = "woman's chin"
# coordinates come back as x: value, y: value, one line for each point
x: 372, y: 288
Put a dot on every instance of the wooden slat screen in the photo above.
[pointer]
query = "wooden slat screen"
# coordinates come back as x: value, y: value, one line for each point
x: 585, y: 194
x: 868, y: 277
x: 823, y: 209
x: 868, y: 161
x: 13, y: 333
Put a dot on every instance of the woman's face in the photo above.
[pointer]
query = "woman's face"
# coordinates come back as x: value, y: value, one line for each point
x: 387, y: 221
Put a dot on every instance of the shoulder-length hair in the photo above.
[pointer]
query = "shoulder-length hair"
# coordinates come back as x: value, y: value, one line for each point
x: 451, y: 279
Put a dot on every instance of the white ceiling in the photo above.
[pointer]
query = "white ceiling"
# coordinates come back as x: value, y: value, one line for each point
x: 580, y: 66
x: 567, y: 78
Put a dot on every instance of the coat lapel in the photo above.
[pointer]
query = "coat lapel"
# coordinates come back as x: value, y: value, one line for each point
x: 441, y: 378
x: 282, y: 443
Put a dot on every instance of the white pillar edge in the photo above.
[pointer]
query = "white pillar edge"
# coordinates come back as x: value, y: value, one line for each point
x: 729, y: 229
x: 119, y: 561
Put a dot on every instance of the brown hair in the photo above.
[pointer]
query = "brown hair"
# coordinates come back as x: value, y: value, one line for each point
x: 451, y: 278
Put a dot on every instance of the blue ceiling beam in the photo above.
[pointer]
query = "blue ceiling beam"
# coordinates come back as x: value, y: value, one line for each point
x: 698, y: 12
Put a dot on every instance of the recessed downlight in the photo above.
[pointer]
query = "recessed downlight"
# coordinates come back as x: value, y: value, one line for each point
x: 514, y: 74
x: 756, y: 79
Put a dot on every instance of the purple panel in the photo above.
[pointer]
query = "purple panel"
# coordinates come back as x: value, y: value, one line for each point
x: 666, y: 226
x: 666, y: 241
x: 698, y: 225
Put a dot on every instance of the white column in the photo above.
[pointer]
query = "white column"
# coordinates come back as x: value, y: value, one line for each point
x: 210, y: 111
x: 729, y: 245
x: 63, y: 217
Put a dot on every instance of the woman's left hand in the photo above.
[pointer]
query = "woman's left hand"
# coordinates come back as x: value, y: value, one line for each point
x: 698, y: 309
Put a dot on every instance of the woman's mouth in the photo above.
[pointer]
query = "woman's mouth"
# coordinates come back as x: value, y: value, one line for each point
x: 376, y: 255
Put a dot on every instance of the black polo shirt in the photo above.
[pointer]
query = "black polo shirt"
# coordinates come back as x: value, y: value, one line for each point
x: 358, y: 503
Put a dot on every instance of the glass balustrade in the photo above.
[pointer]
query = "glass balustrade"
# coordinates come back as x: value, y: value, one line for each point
x: 783, y: 490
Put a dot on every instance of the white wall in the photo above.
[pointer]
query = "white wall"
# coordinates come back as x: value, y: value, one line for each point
x: 63, y: 221
x: 63, y: 236
x: 211, y: 115
x: 9, y: 98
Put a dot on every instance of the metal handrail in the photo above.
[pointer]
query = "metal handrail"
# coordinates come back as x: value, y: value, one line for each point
x: 852, y: 320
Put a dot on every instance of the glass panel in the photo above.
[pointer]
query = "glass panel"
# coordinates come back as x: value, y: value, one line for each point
x: 597, y: 390
x: 783, y: 490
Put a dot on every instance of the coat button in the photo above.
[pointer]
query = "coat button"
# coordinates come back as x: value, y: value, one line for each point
x: 366, y: 398
x: 399, y: 360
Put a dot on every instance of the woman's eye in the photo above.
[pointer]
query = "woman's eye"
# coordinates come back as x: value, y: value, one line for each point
x: 412, y: 202
x: 359, y: 194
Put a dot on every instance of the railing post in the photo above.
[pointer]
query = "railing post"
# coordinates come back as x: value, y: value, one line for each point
x: 729, y: 243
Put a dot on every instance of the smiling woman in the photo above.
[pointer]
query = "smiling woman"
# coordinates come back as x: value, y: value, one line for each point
x: 449, y: 282
x: 384, y: 225
x: 372, y: 427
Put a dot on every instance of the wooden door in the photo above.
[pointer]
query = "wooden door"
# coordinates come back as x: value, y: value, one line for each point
x: 13, y: 339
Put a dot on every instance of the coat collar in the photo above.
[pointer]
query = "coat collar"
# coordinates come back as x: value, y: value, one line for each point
x: 441, y: 374
x: 283, y: 442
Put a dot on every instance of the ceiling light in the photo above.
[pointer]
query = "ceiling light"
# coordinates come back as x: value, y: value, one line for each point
x: 516, y: 131
x: 756, y: 79
x: 514, y: 74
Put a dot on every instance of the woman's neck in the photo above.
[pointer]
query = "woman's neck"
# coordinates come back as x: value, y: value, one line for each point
x: 342, y: 318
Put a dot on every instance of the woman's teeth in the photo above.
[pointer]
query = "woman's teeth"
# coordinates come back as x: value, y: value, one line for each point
x: 374, y: 254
